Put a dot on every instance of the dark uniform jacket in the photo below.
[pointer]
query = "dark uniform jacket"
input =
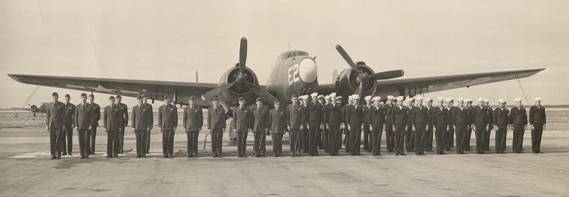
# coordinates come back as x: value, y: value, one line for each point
x: 440, y: 117
x: 368, y: 114
x: 277, y: 119
x: 461, y: 116
x: 142, y: 117
x: 54, y: 115
x: 83, y: 116
x: 168, y: 116
x: 124, y: 110
x: 378, y: 116
x: 355, y: 115
x: 243, y: 119
x: 294, y: 116
x: 96, y: 114
x: 112, y: 119
x: 335, y: 114
x: 400, y: 115
x: 216, y: 118
x: 69, y: 114
x: 420, y: 116
x: 193, y: 118
x: 260, y: 116
x: 501, y: 116
x: 326, y: 112
x: 481, y: 116
x: 314, y: 111
x: 389, y: 114
x: 537, y: 115
x: 518, y: 116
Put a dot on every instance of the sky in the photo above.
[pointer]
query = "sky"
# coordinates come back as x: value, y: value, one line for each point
x: 170, y: 40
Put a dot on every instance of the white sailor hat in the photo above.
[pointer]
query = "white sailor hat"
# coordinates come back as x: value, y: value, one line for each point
x: 468, y: 100
x: 314, y: 94
x: 448, y: 99
x: 486, y: 100
x: 428, y: 99
x: 320, y: 96
x: 355, y: 96
x: 376, y: 98
x: 327, y: 97
x: 441, y: 99
x: 537, y: 99
x: 367, y: 98
x: 480, y: 99
x: 459, y: 99
x: 390, y: 97
x: 399, y: 98
x: 501, y: 100
x: 418, y: 98
x: 333, y: 94
x: 518, y: 99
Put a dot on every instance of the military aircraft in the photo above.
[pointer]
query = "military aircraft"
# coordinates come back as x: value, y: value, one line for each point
x: 295, y: 73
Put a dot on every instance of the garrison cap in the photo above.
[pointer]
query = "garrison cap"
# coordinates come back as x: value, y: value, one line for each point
x: 139, y: 97
x: 83, y: 94
x: 119, y: 96
x: 54, y: 94
x: 111, y: 97
x: 67, y: 95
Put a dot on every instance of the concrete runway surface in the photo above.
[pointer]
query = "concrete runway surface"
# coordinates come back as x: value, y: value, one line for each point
x: 26, y: 170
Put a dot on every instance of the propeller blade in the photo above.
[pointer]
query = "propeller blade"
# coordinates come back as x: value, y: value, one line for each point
x: 243, y: 54
x: 359, y: 90
x: 217, y: 91
x: 266, y: 96
x: 345, y: 56
x: 386, y: 75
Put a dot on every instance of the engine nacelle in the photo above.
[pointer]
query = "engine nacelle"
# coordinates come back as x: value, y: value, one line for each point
x: 231, y: 95
x: 348, y: 80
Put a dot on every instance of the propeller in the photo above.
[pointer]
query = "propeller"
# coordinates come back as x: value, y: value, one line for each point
x: 242, y: 58
x: 364, y: 77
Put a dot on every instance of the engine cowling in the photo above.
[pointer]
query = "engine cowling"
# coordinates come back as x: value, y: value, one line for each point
x: 349, y: 80
x: 239, y: 89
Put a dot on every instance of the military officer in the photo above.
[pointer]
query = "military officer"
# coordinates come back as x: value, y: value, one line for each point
x: 410, y: 127
x: 468, y: 133
x: 260, y: 127
x: 192, y: 122
x: 278, y: 122
x: 537, y: 119
x: 149, y: 129
x: 294, y: 125
x: 142, y: 119
x: 334, y: 122
x: 124, y: 116
x: 304, y: 126
x: 389, y: 136
x: 460, y: 119
x: 355, y: 115
x: 501, y: 115
x: 440, y: 121
x: 519, y: 120
x: 428, y: 138
x: 377, y: 120
x: 83, y: 123
x: 490, y: 126
x: 314, y: 111
x: 168, y: 121
x: 481, y: 120
x: 216, y: 125
x: 96, y: 116
x: 450, y: 130
x: 68, y: 124
x: 243, y: 123
x: 112, y: 121
x: 420, y: 120
x: 54, y: 119
x: 367, y: 110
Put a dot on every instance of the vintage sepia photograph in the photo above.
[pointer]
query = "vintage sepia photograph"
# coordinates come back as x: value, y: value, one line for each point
x: 284, y: 98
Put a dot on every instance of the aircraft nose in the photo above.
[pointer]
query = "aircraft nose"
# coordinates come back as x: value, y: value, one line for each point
x: 308, y: 70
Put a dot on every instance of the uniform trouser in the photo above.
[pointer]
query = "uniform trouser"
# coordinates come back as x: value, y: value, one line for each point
x: 460, y: 138
x: 93, y: 134
x: 367, y: 139
x: 450, y: 138
x: 112, y: 143
x: 167, y: 142
x: 347, y: 140
x: 320, y: 143
x: 140, y: 143
x: 67, y: 142
x: 355, y: 139
x: 216, y: 142
x: 192, y: 147
x: 376, y: 139
x: 295, y: 146
x: 83, y: 136
x: 55, y: 141
x: 518, y: 138
x: 324, y: 139
x: 440, y: 138
x: 409, y: 139
x: 259, y: 145
x: 305, y: 140
x: 428, y: 139
x: 120, y: 140
x: 480, y: 133
x: 487, y: 138
x: 419, y: 135
x: 339, y: 136
x: 467, y: 136
x: 501, y: 139
x: 389, y: 137
x: 148, y: 134
x: 313, y: 138
x: 332, y: 141
x: 242, y: 143
x: 399, y: 138
x: 277, y: 144
x: 536, y: 138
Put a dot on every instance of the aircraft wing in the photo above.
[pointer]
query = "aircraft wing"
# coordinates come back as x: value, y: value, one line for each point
x: 414, y: 86
x: 154, y: 89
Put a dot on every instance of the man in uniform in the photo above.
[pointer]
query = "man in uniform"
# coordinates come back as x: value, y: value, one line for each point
x: 537, y: 119
x: 54, y: 119
x: 481, y: 120
x: 410, y: 128
x: 243, y: 123
x: 168, y: 121
x: 68, y: 124
x: 389, y: 136
x: 294, y: 125
x: 304, y: 125
x: 468, y: 133
x: 461, y: 121
x: 112, y: 121
x: 216, y: 125
x: 335, y: 120
x: 142, y: 119
x: 420, y: 119
x: 340, y: 104
x: 367, y: 110
x: 277, y: 119
x: 519, y: 120
x: 345, y: 110
x: 193, y: 122
x: 96, y: 116
x: 355, y: 115
x: 124, y: 116
x: 314, y: 110
x: 399, y: 122
x: 324, y: 132
x: 490, y: 126
x: 428, y: 137
x: 377, y: 120
x: 260, y: 127
x: 450, y: 130
x: 440, y: 120
x: 83, y: 123
x: 149, y: 129
x: 501, y: 115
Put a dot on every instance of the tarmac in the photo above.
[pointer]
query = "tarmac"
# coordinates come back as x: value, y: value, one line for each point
x: 26, y: 170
